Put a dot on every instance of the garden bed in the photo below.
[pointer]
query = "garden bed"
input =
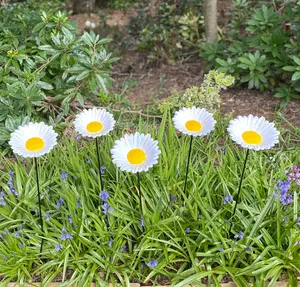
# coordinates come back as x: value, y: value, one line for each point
x: 279, y: 284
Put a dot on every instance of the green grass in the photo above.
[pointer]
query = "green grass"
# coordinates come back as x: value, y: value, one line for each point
x: 267, y: 250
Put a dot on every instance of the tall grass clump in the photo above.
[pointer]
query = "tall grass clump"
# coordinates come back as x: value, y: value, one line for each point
x: 85, y: 242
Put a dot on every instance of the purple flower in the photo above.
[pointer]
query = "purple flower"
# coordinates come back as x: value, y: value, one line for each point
x: 297, y: 243
x: 102, y: 168
x: 58, y: 247
x: 283, y: 187
x: 88, y: 160
x: 298, y: 221
x: 10, y: 184
x: 295, y: 175
x: 16, y: 234
x: 227, y: 199
x: 78, y: 137
x: 21, y: 245
x: 123, y: 248
x: 2, y: 201
x: 110, y: 243
x: 188, y: 230
x: 104, y: 195
x: 222, y: 250
x: 152, y: 263
x: 106, y: 207
x: 47, y: 215
x: 70, y: 218
x: 59, y: 203
x: 66, y: 235
x: 78, y: 203
x: 248, y: 248
x: 142, y: 222
x: 5, y: 232
x: 239, y: 235
x: 5, y: 258
x: 64, y: 176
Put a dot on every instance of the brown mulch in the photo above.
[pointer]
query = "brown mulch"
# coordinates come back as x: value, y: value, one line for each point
x: 143, y: 82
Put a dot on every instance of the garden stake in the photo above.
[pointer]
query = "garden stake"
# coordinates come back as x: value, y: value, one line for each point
x: 100, y: 175
x: 187, y: 167
x: 39, y: 201
x: 140, y: 197
x: 239, y: 190
x: 99, y: 165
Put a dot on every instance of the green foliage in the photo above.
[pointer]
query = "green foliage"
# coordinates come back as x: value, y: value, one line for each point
x: 174, y: 29
x: 206, y: 96
x: 267, y: 251
x: 261, y: 48
x: 255, y: 66
x: 45, y: 67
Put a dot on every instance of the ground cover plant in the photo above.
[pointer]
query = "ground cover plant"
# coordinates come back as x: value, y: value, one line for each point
x: 97, y: 235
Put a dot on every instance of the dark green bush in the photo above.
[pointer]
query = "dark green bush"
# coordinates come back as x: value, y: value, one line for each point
x: 45, y: 67
x: 261, y: 49
x: 173, y: 30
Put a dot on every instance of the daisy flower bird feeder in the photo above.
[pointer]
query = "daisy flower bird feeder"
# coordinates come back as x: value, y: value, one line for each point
x: 251, y: 133
x: 136, y: 153
x: 194, y: 122
x: 32, y: 141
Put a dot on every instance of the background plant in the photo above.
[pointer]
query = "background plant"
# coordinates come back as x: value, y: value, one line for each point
x: 206, y: 96
x: 260, y: 48
x: 45, y: 67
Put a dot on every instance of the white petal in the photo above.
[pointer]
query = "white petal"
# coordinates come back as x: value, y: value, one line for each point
x: 20, y: 136
x: 128, y: 142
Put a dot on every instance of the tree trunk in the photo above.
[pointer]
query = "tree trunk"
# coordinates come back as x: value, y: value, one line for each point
x: 3, y: 2
x: 210, y: 20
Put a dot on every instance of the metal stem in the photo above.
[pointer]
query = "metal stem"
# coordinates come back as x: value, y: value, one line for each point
x: 99, y: 164
x: 187, y: 167
x: 141, y: 203
x: 39, y: 201
x: 239, y: 190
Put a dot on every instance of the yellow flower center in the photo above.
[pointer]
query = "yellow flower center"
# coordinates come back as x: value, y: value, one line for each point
x: 251, y: 137
x: 136, y: 156
x: 94, y: 127
x: 34, y: 144
x: 193, y: 126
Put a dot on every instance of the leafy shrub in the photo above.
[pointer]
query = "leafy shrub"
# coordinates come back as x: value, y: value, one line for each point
x: 206, y: 96
x: 175, y: 28
x: 261, y: 49
x: 45, y: 67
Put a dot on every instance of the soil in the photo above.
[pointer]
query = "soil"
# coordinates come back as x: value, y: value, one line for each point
x: 142, y: 82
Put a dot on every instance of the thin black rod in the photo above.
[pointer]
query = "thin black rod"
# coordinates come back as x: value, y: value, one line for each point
x: 239, y: 190
x: 141, y: 203
x: 99, y: 164
x: 187, y: 167
x: 39, y: 201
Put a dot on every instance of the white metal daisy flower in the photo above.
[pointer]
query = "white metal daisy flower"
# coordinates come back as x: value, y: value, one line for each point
x: 135, y: 152
x: 194, y: 121
x: 253, y: 132
x: 94, y: 123
x: 33, y: 140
